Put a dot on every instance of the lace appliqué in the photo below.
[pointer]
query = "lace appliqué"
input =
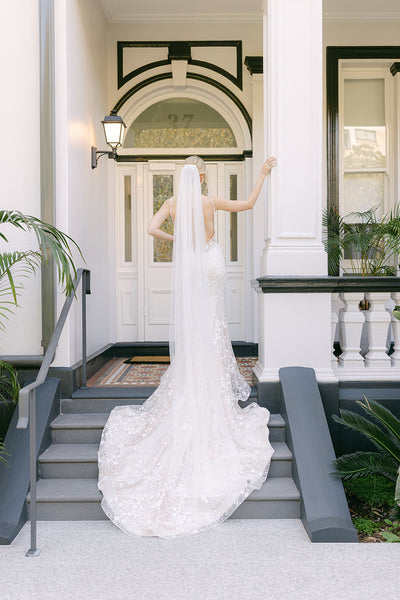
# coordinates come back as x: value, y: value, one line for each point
x: 163, y: 475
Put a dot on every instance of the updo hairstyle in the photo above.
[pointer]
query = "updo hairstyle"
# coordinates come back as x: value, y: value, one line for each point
x: 198, y: 162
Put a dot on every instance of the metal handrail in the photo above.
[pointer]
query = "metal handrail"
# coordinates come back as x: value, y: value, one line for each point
x: 27, y: 394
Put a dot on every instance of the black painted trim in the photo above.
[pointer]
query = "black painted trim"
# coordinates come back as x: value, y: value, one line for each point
x: 208, y: 157
x: 196, y: 76
x: 254, y: 64
x: 226, y: 91
x: 326, y: 284
x: 333, y: 55
x: 179, y: 50
x: 15, y: 476
x: 395, y: 68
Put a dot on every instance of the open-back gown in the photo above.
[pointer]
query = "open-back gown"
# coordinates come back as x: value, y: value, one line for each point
x: 161, y: 473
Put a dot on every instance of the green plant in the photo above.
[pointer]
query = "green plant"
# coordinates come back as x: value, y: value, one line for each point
x: 385, y: 437
x: 389, y: 534
x: 371, y: 244
x: 52, y: 244
x: 366, y: 525
x: 374, y: 489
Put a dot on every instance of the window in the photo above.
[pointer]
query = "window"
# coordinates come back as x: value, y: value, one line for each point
x: 180, y: 123
x: 364, y: 148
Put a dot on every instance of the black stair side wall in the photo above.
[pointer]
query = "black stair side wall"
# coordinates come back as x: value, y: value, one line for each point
x: 324, y: 510
x: 14, y: 476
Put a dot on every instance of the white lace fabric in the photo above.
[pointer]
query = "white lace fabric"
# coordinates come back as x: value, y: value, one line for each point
x: 184, y: 460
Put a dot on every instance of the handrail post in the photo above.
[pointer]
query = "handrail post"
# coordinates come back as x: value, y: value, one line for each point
x: 27, y: 395
x: 84, y: 357
x: 33, y: 550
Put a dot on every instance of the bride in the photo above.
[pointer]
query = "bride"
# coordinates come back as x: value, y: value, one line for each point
x: 184, y: 460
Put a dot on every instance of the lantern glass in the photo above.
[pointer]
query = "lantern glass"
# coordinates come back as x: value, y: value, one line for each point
x: 113, y: 130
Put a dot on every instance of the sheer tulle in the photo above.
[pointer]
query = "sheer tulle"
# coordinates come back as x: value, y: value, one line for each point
x: 182, y: 462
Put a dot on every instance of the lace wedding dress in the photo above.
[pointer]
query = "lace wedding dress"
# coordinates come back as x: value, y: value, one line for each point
x: 184, y: 460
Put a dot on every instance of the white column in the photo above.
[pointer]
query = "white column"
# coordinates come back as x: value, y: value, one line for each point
x: 258, y: 212
x: 296, y: 327
x: 293, y: 128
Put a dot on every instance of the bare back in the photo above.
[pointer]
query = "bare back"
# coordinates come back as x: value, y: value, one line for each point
x: 208, y: 213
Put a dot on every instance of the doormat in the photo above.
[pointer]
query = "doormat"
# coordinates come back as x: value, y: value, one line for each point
x: 117, y: 372
x: 147, y: 359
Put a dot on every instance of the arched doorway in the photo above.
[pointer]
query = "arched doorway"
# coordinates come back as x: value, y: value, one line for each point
x: 162, y: 129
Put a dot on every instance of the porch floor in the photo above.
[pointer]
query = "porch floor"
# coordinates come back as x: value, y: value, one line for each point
x: 243, y: 558
x: 117, y: 373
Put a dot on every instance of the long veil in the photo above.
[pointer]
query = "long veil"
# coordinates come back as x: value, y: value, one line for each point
x: 194, y: 370
x: 190, y: 334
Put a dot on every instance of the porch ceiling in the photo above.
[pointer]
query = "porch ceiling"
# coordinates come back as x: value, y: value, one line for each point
x: 129, y: 11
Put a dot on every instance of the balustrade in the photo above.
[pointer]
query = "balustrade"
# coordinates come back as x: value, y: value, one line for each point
x: 359, y: 305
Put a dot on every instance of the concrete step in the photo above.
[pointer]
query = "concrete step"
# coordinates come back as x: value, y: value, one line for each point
x: 86, y: 428
x: 62, y: 461
x: 103, y: 400
x: 79, y: 499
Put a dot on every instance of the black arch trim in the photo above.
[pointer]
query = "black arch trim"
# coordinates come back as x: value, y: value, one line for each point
x: 236, y: 79
x: 196, y: 76
x: 207, y: 157
x: 136, y: 88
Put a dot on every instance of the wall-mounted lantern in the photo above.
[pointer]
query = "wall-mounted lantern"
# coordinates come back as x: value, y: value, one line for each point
x: 114, y: 128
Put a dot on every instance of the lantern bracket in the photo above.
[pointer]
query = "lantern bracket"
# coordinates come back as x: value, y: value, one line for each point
x: 96, y: 154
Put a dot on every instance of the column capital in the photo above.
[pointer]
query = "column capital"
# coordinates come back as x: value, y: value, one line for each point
x: 395, y: 68
x: 254, y: 64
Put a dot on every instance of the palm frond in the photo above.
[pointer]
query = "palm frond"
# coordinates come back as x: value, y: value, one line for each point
x: 9, y: 384
x: 382, y: 415
x: 360, y: 464
x: 3, y: 452
x: 375, y: 434
x: 52, y: 243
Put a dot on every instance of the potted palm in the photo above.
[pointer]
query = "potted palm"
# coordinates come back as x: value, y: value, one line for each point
x: 369, y: 244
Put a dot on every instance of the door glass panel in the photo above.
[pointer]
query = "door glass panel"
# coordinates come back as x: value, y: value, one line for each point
x: 363, y: 191
x: 128, y: 218
x: 163, y: 188
x: 364, y: 124
x: 233, y: 181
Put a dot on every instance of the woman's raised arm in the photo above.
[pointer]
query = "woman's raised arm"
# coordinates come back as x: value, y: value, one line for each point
x: 239, y: 205
x: 157, y: 220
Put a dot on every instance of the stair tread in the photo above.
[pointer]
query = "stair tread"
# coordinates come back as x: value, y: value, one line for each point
x: 88, y: 452
x: 70, y: 453
x: 86, y: 490
x: 98, y: 420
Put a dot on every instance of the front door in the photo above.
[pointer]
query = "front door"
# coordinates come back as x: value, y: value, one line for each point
x: 144, y: 275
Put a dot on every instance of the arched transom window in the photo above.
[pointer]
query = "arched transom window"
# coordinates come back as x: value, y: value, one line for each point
x: 180, y: 123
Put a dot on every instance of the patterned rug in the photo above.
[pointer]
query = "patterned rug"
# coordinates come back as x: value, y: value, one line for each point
x: 117, y: 373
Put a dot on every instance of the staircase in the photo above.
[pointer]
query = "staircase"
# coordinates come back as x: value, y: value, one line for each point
x: 68, y: 470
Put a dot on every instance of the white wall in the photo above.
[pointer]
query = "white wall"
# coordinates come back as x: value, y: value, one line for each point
x: 249, y: 32
x: 19, y: 157
x: 82, y: 198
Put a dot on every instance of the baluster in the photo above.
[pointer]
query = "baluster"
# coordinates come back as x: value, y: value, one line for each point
x: 395, y: 356
x: 351, y: 321
x: 377, y: 320
x: 334, y: 322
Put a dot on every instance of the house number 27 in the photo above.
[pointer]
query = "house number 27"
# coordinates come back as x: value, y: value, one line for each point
x: 174, y: 119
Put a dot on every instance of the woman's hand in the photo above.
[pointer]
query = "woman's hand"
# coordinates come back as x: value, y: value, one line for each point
x: 267, y: 166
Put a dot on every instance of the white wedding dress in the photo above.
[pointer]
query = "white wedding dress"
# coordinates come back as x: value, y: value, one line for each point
x: 184, y: 460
